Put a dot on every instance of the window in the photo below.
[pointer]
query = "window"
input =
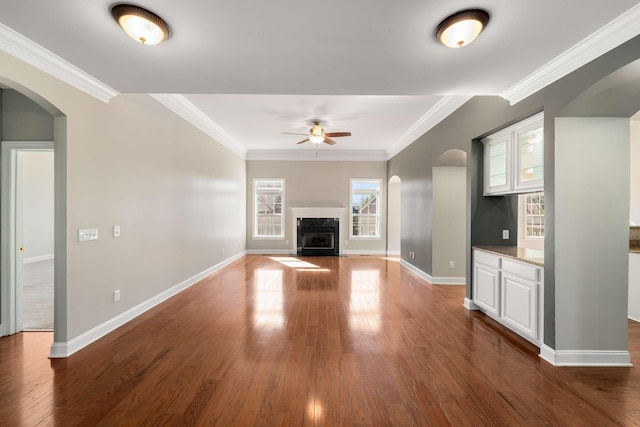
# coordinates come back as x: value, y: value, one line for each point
x: 534, y: 215
x: 365, y: 208
x: 268, y: 208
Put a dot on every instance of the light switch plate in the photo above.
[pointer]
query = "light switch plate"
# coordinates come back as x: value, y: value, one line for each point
x: 87, y: 234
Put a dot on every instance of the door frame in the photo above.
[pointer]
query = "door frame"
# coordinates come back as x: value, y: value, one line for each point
x: 10, y: 221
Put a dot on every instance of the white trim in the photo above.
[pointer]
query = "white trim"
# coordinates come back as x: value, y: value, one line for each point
x: 180, y: 105
x: 440, y: 111
x: 415, y: 270
x: 449, y: 280
x: 268, y: 252
x: 393, y: 253
x: 364, y: 252
x: 379, y: 207
x: 469, y: 305
x: 597, y: 358
x: 254, y: 207
x: 634, y: 319
x: 17, y: 45
x: 320, y: 155
x: 66, y: 349
x: 37, y: 259
x: 616, y: 32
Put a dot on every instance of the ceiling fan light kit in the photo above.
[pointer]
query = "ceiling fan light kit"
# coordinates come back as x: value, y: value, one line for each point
x: 140, y: 24
x: 317, y: 135
x: 462, y: 28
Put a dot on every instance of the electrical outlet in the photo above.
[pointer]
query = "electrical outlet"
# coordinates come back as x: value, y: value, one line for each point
x: 116, y: 295
x: 87, y: 234
x: 452, y: 264
x: 505, y: 234
x: 116, y: 231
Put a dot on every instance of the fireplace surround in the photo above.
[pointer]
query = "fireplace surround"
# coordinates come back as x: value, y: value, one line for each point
x: 337, y: 213
x: 317, y: 236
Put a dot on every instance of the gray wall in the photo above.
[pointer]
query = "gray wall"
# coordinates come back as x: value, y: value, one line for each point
x: 591, y: 217
x: 37, y: 204
x: 449, y: 220
x: 477, y: 118
x: 316, y: 184
x: 23, y: 119
x: 178, y: 195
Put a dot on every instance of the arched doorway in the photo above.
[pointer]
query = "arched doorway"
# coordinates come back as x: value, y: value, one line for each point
x: 394, y: 198
x: 449, y: 218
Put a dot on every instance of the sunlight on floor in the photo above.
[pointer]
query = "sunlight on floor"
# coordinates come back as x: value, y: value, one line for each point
x: 298, y: 264
x: 269, y: 299
x: 365, y: 300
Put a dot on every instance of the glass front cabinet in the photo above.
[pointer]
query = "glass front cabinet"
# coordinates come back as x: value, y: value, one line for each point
x: 514, y: 158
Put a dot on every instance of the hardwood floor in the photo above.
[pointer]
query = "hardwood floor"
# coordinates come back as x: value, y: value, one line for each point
x: 311, y: 341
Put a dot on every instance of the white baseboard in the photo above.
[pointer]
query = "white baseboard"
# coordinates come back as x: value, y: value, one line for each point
x: 449, y: 280
x: 415, y: 270
x: 66, y: 349
x: 433, y: 280
x: 268, y: 251
x: 469, y: 305
x: 363, y: 252
x: 393, y: 253
x: 37, y: 259
x: 634, y: 319
x: 595, y: 358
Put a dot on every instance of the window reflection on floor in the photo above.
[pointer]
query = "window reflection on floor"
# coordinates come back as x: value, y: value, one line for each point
x: 269, y: 307
x: 364, y: 313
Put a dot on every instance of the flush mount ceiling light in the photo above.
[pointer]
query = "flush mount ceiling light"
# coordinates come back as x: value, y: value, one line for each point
x: 142, y: 25
x: 461, y: 28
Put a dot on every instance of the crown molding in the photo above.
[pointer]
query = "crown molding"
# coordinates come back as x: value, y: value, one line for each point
x: 319, y: 155
x: 17, y: 45
x: 443, y: 108
x: 185, y: 109
x: 612, y: 35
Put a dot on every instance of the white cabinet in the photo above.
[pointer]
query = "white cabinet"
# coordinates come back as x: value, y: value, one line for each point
x: 514, y: 158
x: 511, y: 292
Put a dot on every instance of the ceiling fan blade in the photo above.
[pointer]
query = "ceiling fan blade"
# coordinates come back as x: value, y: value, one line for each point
x: 304, y: 140
x: 291, y: 133
x: 337, y: 134
x: 329, y: 141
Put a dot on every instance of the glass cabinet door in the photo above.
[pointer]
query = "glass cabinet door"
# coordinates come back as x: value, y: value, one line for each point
x: 530, y: 161
x: 497, y: 176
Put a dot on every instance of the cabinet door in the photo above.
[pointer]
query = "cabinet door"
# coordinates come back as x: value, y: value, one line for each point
x: 486, y: 288
x: 520, y: 304
x: 529, y: 152
x: 497, y: 165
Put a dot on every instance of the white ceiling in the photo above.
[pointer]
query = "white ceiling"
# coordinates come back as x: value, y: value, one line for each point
x: 258, y: 69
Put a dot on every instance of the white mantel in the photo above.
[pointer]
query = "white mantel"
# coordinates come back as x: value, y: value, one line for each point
x: 320, y: 212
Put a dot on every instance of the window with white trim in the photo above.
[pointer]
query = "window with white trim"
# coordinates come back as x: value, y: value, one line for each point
x: 534, y: 215
x: 268, y: 208
x: 365, y: 208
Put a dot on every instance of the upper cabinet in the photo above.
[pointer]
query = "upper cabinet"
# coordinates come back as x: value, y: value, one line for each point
x: 514, y: 158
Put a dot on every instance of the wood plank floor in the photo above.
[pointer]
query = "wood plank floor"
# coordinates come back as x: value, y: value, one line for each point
x: 351, y: 341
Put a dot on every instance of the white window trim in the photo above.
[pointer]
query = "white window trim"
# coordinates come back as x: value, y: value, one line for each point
x: 255, y: 235
x: 379, y: 210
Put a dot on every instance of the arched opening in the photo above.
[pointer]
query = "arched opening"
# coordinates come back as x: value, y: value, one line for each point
x: 449, y: 218
x: 394, y: 198
x: 33, y: 125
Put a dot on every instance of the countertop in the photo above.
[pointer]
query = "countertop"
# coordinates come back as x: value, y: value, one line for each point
x: 531, y: 256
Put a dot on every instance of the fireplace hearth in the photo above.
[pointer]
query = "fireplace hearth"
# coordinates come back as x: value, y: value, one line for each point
x: 318, y: 236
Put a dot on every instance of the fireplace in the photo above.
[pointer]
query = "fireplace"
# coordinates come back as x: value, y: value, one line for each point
x: 317, y: 236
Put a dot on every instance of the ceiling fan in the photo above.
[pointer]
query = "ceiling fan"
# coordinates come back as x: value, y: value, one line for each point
x: 317, y: 135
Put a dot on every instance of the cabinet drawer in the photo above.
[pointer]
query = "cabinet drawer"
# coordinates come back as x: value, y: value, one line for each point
x: 523, y: 270
x: 487, y: 259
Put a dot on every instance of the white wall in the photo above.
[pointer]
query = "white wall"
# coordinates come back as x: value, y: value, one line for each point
x: 178, y: 195
x: 591, y: 233
x: 449, y: 221
x: 317, y: 184
x: 37, y: 204
x: 394, y: 200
